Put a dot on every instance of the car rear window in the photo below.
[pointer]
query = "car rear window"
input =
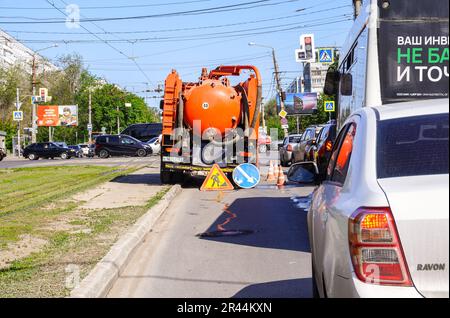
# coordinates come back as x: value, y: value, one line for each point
x: 295, y: 140
x: 412, y: 146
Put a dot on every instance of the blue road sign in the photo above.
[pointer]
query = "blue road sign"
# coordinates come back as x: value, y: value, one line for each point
x: 17, y: 115
x: 330, y: 106
x: 246, y: 176
x: 326, y: 56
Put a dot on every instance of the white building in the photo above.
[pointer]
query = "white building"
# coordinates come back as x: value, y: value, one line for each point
x: 318, y: 76
x: 13, y: 52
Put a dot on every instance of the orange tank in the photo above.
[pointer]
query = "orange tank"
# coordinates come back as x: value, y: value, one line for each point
x: 215, y: 103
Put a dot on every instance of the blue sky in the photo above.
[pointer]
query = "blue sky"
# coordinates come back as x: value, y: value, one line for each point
x: 183, y: 42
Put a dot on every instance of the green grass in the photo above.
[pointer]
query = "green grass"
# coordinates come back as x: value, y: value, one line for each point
x: 21, y: 189
x: 43, y: 273
x: 25, y: 192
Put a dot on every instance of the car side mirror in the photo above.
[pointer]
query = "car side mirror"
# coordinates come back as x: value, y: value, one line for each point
x: 347, y: 85
x: 331, y: 83
x: 304, y: 173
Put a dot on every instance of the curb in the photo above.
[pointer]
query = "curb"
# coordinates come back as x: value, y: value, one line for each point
x: 102, y: 277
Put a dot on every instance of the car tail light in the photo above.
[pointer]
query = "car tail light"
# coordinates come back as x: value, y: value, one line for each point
x: 329, y: 145
x: 375, y: 248
x: 289, y: 148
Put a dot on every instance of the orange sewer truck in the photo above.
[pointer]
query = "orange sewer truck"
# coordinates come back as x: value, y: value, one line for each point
x: 210, y: 121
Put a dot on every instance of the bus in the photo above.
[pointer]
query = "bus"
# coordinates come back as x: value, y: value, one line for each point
x: 396, y: 51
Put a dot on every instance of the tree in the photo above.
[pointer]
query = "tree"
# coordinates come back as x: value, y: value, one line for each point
x: 10, y: 79
x: 71, y: 86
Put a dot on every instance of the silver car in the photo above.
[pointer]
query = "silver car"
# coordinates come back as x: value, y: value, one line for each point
x: 379, y: 223
x: 285, y: 151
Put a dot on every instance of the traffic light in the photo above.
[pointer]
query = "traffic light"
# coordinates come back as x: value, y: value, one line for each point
x: 309, y: 48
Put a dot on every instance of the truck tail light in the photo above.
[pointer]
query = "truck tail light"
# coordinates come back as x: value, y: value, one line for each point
x: 329, y: 145
x: 375, y: 248
x: 289, y: 148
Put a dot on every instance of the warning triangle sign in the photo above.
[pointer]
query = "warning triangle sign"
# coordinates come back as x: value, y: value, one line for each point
x: 216, y: 180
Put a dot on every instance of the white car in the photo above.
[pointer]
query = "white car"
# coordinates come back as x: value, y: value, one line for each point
x: 155, y: 144
x: 379, y: 223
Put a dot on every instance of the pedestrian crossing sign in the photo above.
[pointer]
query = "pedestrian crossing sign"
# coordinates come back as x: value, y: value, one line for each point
x: 216, y: 181
x: 326, y: 56
x: 329, y: 106
x: 18, y: 115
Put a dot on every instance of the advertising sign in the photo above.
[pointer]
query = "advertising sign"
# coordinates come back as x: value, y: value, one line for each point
x: 52, y: 116
x: 299, y: 103
x: 414, y: 54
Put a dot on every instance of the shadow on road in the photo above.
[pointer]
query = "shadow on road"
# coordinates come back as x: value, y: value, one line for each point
x: 147, y: 178
x: 272, y: 223
x: 292, y: 288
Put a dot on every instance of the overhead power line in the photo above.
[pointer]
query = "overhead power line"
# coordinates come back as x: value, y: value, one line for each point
x: 205, y: 36
x: 106, y: 42
x: 111, y: 7
x: 234, y: 7
x: 185, y: 29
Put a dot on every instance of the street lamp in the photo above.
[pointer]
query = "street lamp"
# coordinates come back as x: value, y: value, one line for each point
x: 33, y: 124
x: 277, y: 77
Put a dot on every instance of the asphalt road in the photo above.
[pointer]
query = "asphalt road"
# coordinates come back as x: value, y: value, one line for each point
x: 270, y: 259
x: 10, y: 162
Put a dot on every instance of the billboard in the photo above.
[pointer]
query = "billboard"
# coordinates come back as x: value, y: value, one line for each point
x: 413, y: 53
x: 299, y: 103
x: 53, y: 116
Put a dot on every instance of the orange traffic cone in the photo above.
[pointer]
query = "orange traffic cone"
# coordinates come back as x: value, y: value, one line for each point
x: 271, y: 174
x: 276, y: 171
x: 281, y: 178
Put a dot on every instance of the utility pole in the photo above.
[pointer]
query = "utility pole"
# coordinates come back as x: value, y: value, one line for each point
x: 19, y: 146
x: 118, y: 120
x: 33, y: 106
x: 279, y: 89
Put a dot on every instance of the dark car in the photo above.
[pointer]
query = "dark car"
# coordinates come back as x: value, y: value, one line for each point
x: 324, y: 145
x: 302, y: 151
x: 78, y: 150
x: 120, y: 145
x: 47, y: 150
x: 143, y: 132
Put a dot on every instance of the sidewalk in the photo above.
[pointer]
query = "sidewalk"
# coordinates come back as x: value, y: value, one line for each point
x: 132, y: 190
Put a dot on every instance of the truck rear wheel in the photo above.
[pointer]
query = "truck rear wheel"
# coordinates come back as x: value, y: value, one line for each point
x: 166, y: 177
x: 169, y: 177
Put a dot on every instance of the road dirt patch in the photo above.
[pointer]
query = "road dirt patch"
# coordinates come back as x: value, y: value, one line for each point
x: 26, y: 246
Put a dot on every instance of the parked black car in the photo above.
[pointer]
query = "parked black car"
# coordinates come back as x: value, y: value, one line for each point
x: 2, y: 153
x: 48, y: 150
x: 120, y: 145
x: 324, y: 145
x: 143, y: 132
x: 78, y: 150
